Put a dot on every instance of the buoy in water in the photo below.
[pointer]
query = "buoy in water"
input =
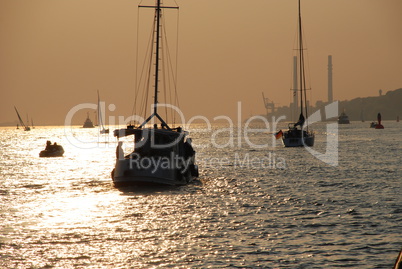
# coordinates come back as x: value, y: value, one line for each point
x: 379, y: 125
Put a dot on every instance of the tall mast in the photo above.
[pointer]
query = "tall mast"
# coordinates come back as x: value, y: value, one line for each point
x: 301, y: 62
x: 303, y: 94
x: 295, y: 91
x: 158, y: 15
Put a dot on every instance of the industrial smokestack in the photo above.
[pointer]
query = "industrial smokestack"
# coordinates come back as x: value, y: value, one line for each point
x: 330, y: 94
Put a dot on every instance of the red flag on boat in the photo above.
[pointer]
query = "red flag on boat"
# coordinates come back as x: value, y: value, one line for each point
x: 278, y: 134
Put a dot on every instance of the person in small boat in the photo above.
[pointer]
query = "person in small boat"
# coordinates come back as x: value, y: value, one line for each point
x: 52, y: 150
x: 48, y: 145
x: 119, y: 151
x: 54, y: 147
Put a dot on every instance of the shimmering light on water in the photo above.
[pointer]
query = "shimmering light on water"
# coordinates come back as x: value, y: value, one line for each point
x: 64, y: 212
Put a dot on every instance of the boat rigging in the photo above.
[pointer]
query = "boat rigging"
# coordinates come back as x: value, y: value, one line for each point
x: 162, y: 155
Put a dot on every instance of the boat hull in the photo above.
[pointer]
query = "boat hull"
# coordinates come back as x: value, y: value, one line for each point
x: 129, y: 172
x: 46, y: 153
x: 290, y: 140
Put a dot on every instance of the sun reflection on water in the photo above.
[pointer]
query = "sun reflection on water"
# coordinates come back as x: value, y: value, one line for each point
x: 65, y: 212
x: 71, y: 210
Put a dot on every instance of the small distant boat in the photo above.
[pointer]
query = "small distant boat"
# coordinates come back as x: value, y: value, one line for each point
x: 26, y: 127
x: 52, y: 150
x: 88, y: 123
x: 343, y: 118
x: 297, y: 135
x: 100, y: 119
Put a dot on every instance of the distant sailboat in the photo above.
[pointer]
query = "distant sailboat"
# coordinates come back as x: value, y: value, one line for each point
x: 297, y: 135
x: 26, y: 127
x: 100, y: 119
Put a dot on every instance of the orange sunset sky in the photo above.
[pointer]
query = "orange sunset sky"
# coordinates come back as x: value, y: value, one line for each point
x: 55, y: 54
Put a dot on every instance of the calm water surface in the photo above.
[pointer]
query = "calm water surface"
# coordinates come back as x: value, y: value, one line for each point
x: 269, y: 207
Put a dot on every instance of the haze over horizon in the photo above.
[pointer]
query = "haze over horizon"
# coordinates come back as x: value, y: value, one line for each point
x: 57, y: 54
